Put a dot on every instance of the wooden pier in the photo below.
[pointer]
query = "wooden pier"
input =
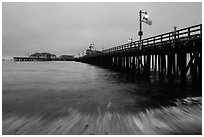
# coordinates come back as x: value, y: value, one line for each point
x: 173, y: 53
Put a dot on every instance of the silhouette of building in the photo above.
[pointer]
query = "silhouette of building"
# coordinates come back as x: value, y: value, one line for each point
x: 66, y: 57
x: 37, y: 57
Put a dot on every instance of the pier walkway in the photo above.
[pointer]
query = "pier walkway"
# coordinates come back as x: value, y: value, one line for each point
x: 174, y: 53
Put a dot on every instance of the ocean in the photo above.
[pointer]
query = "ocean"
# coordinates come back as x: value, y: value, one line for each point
x: 77, y: 98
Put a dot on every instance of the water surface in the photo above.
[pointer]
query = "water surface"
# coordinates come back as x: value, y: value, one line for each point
x: 53, y: 90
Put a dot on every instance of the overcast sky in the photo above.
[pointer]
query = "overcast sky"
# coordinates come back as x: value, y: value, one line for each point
x: 69, y: 28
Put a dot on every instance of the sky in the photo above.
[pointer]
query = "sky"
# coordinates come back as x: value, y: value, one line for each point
x: 69, y: 28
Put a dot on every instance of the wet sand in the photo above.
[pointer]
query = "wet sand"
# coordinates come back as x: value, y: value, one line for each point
x: 183, y: 118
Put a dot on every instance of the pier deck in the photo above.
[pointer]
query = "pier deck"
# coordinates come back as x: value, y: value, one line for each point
x: 173, y: 53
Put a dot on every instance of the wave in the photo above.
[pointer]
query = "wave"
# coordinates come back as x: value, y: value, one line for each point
x: 184, y: 118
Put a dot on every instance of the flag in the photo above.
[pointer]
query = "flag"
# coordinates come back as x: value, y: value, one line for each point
x: 147, y: 21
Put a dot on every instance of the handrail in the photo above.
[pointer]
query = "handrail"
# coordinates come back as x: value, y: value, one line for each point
x: 187, y: 32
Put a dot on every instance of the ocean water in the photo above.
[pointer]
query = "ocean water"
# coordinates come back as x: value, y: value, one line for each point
x: 36, y: 94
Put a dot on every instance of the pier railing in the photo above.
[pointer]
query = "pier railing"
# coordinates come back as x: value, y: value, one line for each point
x: 162, y: 39
x: 176, y: 53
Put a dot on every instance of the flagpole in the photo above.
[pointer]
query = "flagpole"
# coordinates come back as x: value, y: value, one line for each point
x: 140, y: 32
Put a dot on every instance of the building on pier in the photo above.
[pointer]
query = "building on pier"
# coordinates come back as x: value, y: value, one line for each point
x: 91, y: 51
x: 43, y: 55
x: 37, y: 57
x: 66, y: 57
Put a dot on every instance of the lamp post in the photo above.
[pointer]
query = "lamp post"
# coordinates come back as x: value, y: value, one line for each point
x: 140, y: 33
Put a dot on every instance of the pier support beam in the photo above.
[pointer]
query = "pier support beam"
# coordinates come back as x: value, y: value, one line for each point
x: 133, y: 64
x: 148, y: 65
x: 127, y: 63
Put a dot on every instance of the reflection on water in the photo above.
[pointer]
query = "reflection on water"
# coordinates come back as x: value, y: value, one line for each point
x: 63, y: 97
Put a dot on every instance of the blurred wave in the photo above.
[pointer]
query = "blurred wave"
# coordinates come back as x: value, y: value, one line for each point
x: 185, y: 118
x: 76, y: 98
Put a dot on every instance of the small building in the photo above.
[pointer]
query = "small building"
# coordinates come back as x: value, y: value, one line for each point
x: 91, y: 50
x: 38, y: 57
x: 66, y: 58
x: 53, y: 56
x: 35, y: 55
x: 44, y: 56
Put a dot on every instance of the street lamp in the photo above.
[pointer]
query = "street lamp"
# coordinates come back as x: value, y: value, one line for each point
x: 140, y: 33
x: 146, y: 20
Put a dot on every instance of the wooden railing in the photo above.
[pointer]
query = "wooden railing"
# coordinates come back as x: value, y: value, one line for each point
x: 179, y: 35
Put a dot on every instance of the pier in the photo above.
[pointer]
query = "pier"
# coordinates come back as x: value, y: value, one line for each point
x: 44, y: 57
x: 27, y: 59
x: 177, y: 52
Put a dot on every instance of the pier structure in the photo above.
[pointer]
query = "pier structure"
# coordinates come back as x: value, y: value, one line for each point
x: 178, y: 52
x: 28, y: 59
x: 44, y: 57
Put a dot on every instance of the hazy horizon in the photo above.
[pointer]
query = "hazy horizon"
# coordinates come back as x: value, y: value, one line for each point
x: 69, y: 28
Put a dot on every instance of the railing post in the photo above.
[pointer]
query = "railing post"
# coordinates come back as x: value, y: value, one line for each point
x: 133, y: 44
x: 161, y: 39
x: 178, y: 34
x: 201, y: 30
x: 189, y: 32
x: 147, y: 41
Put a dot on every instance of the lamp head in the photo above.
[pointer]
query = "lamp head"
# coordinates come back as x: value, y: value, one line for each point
x: 145, y: 16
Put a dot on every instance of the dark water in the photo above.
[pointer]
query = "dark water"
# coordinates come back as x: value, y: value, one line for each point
x: 48, y: 89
